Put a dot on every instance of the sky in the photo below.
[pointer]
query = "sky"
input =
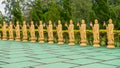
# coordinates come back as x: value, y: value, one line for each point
x: 2, y: 7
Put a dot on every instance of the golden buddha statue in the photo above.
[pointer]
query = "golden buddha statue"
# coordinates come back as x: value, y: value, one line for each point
x: 24, y: 31
x: 10, y: 31
x: 110, y: 34
x: 83, y: 33
x: 41, y: 32
x: 17, y: 31
x: 60, y: 33
x: 71, y: 33
x: 4, y: 31
x: 96, y: 34
x: 32, y: 32
x: 50, y: 33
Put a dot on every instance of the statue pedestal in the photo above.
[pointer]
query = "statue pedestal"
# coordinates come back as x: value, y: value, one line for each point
x: 0, y: 36
x: 17, y: 39
x: 41, y: 40
x: 96, y: 44
x: 83, y: 43
x: 110, y: 45
x: 71, y: 42
x: 60, y: 41
x: 50, y: 41
x: 32, y: 40
x: 25, y: 39
x: 4, y: 38
x: 11, y: 39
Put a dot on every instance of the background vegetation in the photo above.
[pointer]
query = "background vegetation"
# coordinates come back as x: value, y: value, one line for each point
x: 36, y: 10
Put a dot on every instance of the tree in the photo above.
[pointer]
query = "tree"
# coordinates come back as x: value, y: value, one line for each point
x: 67, y: 11
x: 37, y: 11
x: 103, y: 11
x: 53, y: 13
x: 115, y: 6
x: 81, y: 10
x: 1, y: 17
x: 13, y: 10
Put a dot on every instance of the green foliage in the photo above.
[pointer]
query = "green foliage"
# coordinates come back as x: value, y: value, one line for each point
x: 16, y: 12
x: 101, y: 9
x: 13, y: 10
x: 105, y: 9
x: 67, y: 10
x: 64, y: 10
x: 1, y: 18
x: 37, y: 12
x: 115, y: 7
x: 81, y: 10
x: 53, y: 13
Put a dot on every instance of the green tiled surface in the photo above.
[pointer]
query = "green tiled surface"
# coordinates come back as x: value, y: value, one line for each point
x: 50, y: 60
x: 113, y: 62
x: 74, y: 56
x: 96, y: 66
x: 56, y: 65
x: 19, y: 59
x: 26, y: 55
x: 83, y: 61
x: 19, y: 65
x: 105, y: 57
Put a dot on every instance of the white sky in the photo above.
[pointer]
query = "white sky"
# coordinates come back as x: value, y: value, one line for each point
x: 2, y: 7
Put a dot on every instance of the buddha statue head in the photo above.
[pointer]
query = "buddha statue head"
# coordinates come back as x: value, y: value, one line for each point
x: 96, y: 21
x: 71, y: 22
x: 59, y: 22
x: 110, y: 21
x: 83, y: 21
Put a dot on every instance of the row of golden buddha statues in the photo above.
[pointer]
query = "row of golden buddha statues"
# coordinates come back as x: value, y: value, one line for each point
x: 70, y: 27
